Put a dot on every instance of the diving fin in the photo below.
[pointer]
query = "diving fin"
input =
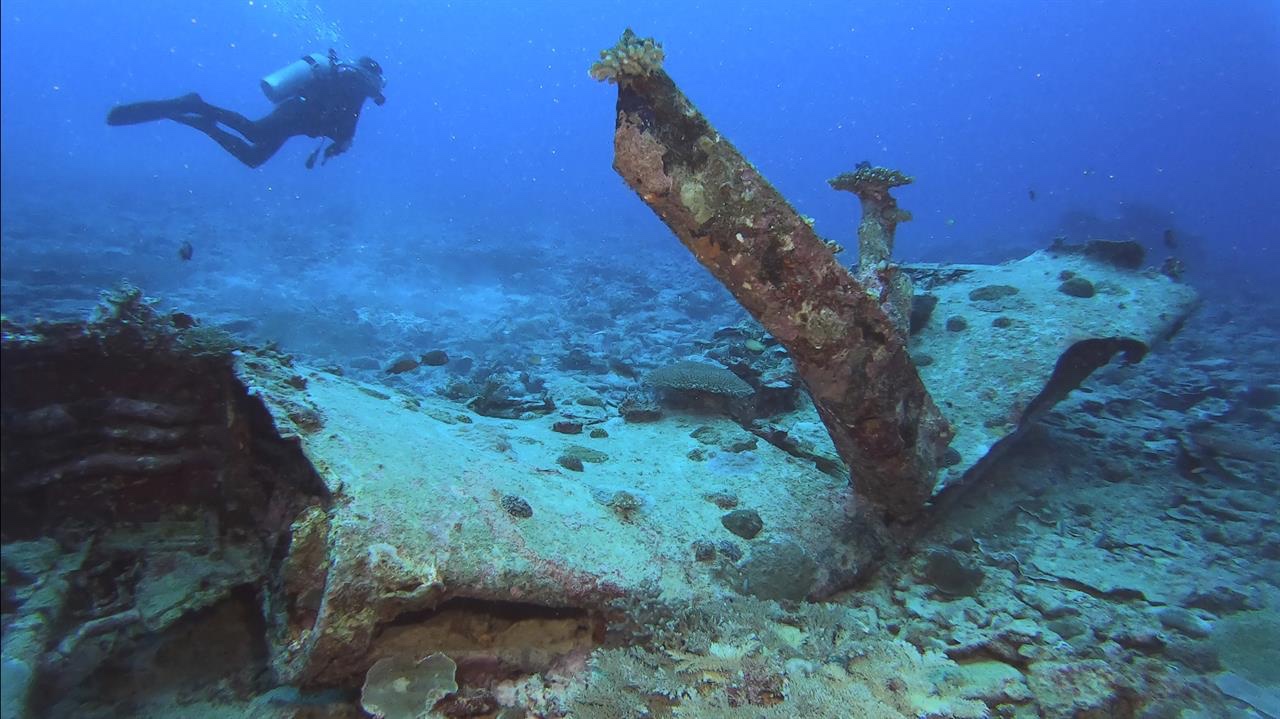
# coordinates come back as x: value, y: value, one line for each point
x: 152, y: 110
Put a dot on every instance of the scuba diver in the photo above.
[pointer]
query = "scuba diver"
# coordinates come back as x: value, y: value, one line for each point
x: 317, y: 96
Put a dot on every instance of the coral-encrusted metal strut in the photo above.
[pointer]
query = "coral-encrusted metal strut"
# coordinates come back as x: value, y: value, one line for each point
x: 851, y: 356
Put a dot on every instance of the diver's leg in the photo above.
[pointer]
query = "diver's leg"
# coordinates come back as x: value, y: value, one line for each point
x: 152, y: 110
x: 277, y: 126
x: 252, y: 154
x: 285, y: 120
x: 230, y: 118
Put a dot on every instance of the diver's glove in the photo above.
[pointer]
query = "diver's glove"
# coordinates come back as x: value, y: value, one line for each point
x: 334, y: 150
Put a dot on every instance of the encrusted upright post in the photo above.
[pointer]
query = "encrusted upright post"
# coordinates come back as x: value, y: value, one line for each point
x: 847, y: 350
x: 880, y: 218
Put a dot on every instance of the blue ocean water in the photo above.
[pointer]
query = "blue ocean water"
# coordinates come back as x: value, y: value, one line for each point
x: 477, y: 213
x: 1122, y: 119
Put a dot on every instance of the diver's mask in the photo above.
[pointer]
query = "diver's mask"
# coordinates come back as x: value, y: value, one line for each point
x: 372, y: 73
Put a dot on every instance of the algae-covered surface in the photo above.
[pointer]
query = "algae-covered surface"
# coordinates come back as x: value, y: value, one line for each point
x: 441, y: 423
x: 998, y: 332
x: 1118, y: 553
x: 431, y: 479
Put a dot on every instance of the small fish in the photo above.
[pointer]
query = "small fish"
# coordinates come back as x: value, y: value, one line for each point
x: 185, y: 251
x: 864, y: 165
x: 1170, y: 239
x: 402, y: 365
x: 435, y: 358
x: 1031, y: 194
x: 951, y: 221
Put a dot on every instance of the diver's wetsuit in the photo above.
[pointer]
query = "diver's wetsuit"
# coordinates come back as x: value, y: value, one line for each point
x: 329, y: 106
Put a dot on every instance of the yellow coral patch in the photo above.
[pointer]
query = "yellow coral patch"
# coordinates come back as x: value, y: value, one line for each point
x: 694, y: 198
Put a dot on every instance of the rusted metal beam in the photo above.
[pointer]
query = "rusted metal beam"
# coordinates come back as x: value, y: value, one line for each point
x: 851, y: 356
x: 880, y: 217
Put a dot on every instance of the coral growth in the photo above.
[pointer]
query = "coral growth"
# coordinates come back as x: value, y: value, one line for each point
x: 700, y: 377
x: 401, y: 688
x: 871, y: 183
x: 723, y: 660
x: 880, y: 211
x: 633, y: 56
x: 880, y: 218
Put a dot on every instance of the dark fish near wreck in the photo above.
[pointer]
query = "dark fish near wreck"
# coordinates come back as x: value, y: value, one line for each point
x: 435, y: 358
x: 402, y: 365
x: 1170, y: 239
x: 185, y: 251
x: 1031, y: 194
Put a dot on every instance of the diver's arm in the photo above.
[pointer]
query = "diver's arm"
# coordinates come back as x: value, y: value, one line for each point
x: 344, y: 131
x: 343, y: 137
x: 355, y: 92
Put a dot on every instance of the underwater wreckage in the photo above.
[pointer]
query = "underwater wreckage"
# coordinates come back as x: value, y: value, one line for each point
x: 153, y: 474
x: 850, y: 333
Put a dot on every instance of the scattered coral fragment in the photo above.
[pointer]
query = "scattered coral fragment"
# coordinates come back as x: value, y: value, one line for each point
x: 516, y: 506
x: 745, y: 523
x: 1077, y: 287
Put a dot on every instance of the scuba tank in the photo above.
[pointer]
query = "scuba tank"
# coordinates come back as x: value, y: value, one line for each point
x: 290, y: 79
